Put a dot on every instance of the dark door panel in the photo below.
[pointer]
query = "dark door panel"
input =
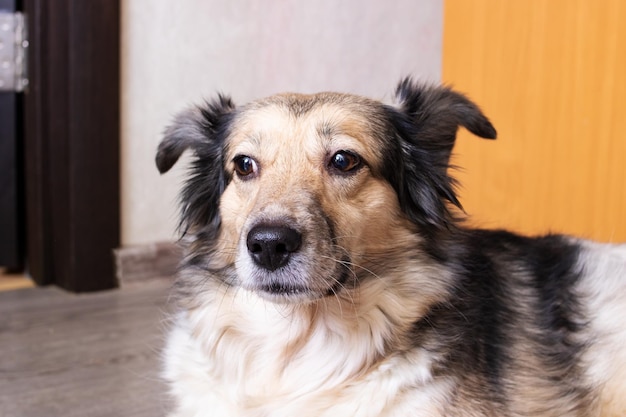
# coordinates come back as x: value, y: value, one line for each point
x: 11, y: 186
x: 71, y: 142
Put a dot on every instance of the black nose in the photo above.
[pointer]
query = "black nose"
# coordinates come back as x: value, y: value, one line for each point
x: 271, y: 246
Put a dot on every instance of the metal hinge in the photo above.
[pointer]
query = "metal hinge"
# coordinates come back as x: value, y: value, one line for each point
x: 13, y: 46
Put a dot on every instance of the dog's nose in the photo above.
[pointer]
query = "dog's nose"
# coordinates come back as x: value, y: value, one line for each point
x: 271, y: 246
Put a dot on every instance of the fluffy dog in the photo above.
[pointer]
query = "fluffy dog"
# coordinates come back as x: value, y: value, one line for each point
x: 328, y: 273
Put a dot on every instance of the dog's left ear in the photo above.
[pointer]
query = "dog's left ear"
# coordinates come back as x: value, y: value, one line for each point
x: 426, y: 119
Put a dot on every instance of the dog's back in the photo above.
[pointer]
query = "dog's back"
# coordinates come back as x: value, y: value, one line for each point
x: 542, y: 318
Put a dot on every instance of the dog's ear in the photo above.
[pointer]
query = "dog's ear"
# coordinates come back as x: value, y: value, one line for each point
x: 194, y: 129
x: 435, y: 113
x: 426, y: 119
x: 203, y: 130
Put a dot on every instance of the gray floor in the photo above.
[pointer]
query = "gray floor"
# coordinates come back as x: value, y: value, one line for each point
x: 82, y: 355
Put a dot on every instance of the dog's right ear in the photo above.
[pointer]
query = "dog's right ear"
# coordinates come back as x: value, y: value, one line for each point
x: 194, y: 129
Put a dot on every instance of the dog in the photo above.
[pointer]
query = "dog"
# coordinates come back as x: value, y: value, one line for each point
x: 329, y: 272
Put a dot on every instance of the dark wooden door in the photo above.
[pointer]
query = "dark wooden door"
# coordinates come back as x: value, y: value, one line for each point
x: 66, y: 146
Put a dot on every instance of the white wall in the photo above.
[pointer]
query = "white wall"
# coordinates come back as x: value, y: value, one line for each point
x: 178, y: 52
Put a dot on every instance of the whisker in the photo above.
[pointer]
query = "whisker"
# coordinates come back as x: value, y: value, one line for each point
x: 353, y: 264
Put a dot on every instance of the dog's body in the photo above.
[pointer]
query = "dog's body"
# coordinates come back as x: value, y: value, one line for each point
x: 326, y: 273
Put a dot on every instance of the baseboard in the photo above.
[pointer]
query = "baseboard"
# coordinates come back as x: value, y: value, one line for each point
x: 142, y: 263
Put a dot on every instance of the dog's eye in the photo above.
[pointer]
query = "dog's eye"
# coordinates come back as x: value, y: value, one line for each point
x: 345, y: 162
x: 245, y: 166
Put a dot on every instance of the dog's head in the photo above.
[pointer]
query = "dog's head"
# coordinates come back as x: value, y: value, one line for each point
x: 297, y: 197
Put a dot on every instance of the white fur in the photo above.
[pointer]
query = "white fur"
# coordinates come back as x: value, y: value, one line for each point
x: 603, y: 288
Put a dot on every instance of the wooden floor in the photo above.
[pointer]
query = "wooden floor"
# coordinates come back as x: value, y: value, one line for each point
x: 13, y: 281
x: 82, y: 355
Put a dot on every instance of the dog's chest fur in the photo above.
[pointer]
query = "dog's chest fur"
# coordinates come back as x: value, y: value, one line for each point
x: 238, y: 355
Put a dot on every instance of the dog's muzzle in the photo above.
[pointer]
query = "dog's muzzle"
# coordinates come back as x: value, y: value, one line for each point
x: 290, y: 261
x: 271, y: 247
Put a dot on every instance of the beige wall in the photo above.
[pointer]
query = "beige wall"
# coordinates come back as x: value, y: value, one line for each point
x: 178, y: 52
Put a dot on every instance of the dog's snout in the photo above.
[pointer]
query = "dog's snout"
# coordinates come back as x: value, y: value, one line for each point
x: 271, y: 246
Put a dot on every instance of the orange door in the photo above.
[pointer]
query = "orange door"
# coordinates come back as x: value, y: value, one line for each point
x: 551, y: 76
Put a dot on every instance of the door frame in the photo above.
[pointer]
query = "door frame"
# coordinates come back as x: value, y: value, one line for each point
x: 71, y: 142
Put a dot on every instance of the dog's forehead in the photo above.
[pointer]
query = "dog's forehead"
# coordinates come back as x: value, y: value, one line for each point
x: 299, y: 120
